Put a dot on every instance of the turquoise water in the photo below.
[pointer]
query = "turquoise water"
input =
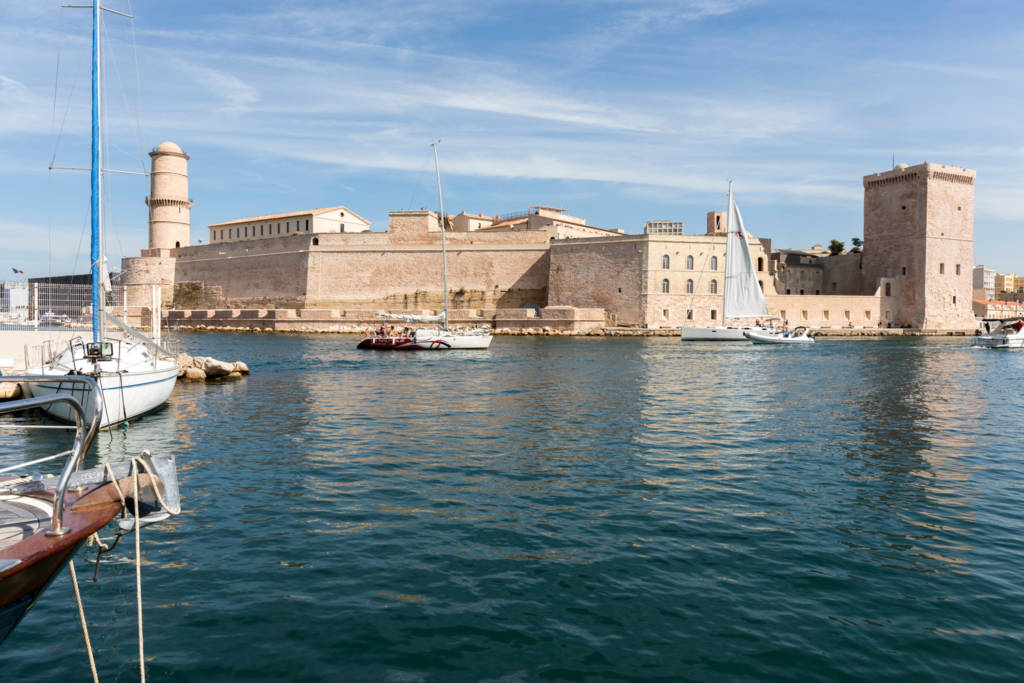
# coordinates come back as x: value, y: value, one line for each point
x: 569, y: 509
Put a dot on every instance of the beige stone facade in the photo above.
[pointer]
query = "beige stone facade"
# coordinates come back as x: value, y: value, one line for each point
x: 546, y: 267
x: 651, y: 280
x: 335, y: 219
x: 919, y: 230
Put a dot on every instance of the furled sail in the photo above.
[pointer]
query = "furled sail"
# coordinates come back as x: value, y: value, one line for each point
x: 743, y: 296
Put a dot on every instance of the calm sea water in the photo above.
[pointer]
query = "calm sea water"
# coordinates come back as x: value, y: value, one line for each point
x: 569, y: 509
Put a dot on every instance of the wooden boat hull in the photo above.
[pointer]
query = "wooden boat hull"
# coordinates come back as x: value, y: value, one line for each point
x: 31, y: 559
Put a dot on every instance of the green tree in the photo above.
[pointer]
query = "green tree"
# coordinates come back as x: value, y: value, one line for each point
x: 836, y: 247
x: 857, y: 242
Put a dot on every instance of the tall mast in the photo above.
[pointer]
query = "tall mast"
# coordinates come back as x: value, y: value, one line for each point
x: 444, y: 253
x: 96, y: 180
x: 728, y: 231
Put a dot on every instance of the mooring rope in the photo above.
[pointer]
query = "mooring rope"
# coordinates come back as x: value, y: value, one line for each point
x: 81, y: 617
x: 137, y: 464
x: 138, y: 567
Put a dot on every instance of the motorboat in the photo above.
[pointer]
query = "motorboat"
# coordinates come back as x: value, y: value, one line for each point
x: 799, y: 335
x: 45, y: 518
x: 1008, y: 334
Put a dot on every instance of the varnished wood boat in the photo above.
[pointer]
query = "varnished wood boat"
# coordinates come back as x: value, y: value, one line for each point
x: 44, y: 519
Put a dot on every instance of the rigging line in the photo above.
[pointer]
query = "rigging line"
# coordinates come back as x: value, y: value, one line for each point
x: 56, y: 81
x: 138, y: 91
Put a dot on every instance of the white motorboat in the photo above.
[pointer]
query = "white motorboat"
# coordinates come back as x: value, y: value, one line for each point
x: 743, y: 296
x: 1008, y: 335
x: 800, y: 335
x: 135, y: 374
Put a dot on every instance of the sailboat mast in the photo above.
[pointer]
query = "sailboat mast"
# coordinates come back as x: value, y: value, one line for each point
x: 728, y: 231
x: 444, y: 253
x: 96, y: 180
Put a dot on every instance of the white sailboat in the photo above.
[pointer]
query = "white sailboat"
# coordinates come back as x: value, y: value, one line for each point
x: 135, y: 374
x: 743, y: 296
x: 440, y: 338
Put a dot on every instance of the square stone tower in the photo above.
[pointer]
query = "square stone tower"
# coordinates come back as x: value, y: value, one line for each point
x: 919, y: 231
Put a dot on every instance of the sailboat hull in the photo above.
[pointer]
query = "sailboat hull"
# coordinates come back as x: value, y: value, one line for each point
x: 717, y: 333
x: 132, y: 380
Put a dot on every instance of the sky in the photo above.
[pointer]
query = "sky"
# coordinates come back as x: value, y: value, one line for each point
x: 620, y: 112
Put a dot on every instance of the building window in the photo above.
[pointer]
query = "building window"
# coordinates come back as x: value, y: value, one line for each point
x: 247, y: 231
x: 714, y: 314
x: 665, y: 262
x: 278, y: 228
x: 958, y: 269
x: 782, y: 314
x: 888, y: 289
x: 689, y: 314
x: 846, y: 314
x: 760, y: 263
x: 689, y: 262
x: 867, y: 315
x: 803, y: 315
x: 942, y: 269
x: 261, y: 231
x: 689, y: 286
x: 760, y: 284
x: 178, y: 244
x: 664, y: 314
x: 801, y: 291
x: 824, y: 314
x: 714, y: 263
x: 954, y: 299
x: 714, y: 287
x: 307, y: 225
x: 664, y: 286
x: 789, y: 291
x: 904, y: 270
x: 833, y: 286
x: 316, y: 241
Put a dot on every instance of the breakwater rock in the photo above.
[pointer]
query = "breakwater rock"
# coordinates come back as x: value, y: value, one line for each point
x: 204, y: 368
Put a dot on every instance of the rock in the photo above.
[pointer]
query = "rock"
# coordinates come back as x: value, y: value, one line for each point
x: 195, y: 374
x: 199, y: 361
x: 215, y: 368
x: 234, y: 374
x: 241, y: 367
x: 9, y: 391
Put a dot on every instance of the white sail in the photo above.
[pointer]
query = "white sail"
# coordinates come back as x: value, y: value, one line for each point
x: 743, y: 296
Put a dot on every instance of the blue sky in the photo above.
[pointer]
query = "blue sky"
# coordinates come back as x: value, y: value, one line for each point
x: 620, y: 112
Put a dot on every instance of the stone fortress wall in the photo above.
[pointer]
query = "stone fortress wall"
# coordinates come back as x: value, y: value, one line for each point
x: 544, y: 268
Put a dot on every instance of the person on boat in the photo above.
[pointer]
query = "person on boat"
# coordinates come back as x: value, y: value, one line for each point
x: 785, y: 328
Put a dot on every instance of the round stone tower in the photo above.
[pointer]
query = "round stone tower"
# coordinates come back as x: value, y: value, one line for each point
x: 169, y: 205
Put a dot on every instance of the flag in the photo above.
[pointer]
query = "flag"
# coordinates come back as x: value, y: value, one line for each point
x: 16, y: 271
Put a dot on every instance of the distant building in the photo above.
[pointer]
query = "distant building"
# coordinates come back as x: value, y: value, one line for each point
x: 984, y: 283
x: 663, y: 228
x: 314, y: 221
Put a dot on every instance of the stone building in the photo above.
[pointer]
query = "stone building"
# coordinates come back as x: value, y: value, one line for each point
x: 919, y: 242
x: 545, y: 264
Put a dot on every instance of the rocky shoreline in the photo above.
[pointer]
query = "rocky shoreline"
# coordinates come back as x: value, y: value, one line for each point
x: 207, y: 369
